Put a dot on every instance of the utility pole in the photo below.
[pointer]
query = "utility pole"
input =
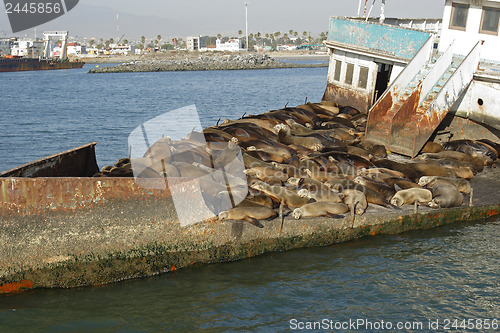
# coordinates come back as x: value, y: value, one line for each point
x: 246, y: 24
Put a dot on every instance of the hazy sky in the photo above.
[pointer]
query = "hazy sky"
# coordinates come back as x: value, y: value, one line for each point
x: 97, y: 18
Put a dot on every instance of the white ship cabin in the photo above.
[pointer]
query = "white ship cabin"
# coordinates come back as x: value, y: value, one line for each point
x: 412, y: 81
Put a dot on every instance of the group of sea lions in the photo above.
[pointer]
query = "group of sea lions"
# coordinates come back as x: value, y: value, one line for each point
x: 312, y: 160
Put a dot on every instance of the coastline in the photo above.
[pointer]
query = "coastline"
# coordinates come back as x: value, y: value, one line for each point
x: 205, y: 62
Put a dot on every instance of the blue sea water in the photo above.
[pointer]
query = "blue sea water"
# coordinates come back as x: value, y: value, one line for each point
x: 415, y: 279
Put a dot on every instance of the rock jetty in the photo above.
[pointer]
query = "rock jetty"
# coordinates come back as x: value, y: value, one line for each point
x: 203, y: 63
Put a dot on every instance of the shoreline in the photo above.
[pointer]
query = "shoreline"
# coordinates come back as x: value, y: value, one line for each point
x: 203, y: 63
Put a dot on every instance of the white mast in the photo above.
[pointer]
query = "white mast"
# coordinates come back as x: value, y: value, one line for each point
x: 246, y: 24
x: 382, y: 12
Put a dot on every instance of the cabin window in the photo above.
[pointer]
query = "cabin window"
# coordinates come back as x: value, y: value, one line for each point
x: 459, y: 15
x: 489, y: 21
x: 349, y: 74
x: 363, y: 77
x: 338, y: 70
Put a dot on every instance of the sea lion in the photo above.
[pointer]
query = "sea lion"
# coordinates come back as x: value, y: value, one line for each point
x: 462, y: 185
x: 385, y: 190
x: 187, y: 170
x: 266, y: 173
x: 432, y: 147
x: 326, y: 195
x: 473, y: 148
x: 320, y: 209
x: 285, y: 136
x: 430, y: 169
x: 408, y: 172
x: 402, y: 183
x: 444, y: 194
x: 250, y: 214
x: 281, y: 194
x: 356, y: 200
x: 409, y: 196
x: 455, y: 155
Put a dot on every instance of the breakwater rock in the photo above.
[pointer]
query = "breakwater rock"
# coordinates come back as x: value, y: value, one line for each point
x: 202, y: 63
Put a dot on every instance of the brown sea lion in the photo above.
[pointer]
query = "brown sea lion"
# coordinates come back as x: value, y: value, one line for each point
x: 285, y: 136
x: 385, y: 190
x: 409, y: 196
x: 473, y: 148
x: 408, y: 172
x: 445, y: 194
x: 356, y: 200
x: 250, y: 214
x: 432, y: 147
x: 316, y: 209
x: 281, y: 194
x: 455, y: 155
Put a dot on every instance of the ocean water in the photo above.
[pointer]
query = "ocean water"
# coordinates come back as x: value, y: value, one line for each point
x: 446, y: 276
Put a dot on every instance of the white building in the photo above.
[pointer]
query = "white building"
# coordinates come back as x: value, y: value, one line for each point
x: 231, y: 45
x: 192, y: 43
x: 468, y: 21
x: 27, y: 48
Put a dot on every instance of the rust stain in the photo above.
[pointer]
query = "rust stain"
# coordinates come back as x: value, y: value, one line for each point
x: 14, y: 287
x: 28, y: 196
x: 344, y: 96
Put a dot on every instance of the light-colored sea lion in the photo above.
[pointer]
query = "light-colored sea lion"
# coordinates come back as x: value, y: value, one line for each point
x: 189, y: 171
x: 281, y: 194
x: 445, y: 194
x: 160, y: 150
x: 462, y: 185
x: 321, y: 208
x: 320, y: 195
x: 356, y: 200
x: 409, y: 196
x: 250, y: 214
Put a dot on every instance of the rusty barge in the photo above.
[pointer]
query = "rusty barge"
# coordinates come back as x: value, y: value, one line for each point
x: 35, y: 64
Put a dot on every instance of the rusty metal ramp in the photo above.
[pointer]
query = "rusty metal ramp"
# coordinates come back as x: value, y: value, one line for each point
x: 411, y: 109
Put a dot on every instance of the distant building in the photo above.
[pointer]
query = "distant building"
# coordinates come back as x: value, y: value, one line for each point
x: 192, y: 43
x: 197, y: 43
x: 231, y: 45
x: 26, y: 48
x: 122, y: 49
x: 72, y: 49
x: 6, y: 45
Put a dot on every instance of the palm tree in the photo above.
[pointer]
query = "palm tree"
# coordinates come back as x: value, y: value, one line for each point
x: 219, y: 36
x: 304, y: 33
x: 285, y: 37
x: 91, y: 42
x: 267, y: 35
x: 295, y: 33
x: 240, y: 32
x: 125, y: 41
x: 290, y: 32
x: 143, y: 42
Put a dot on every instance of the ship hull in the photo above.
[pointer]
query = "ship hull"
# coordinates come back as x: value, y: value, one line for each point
x: 31, y: 64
